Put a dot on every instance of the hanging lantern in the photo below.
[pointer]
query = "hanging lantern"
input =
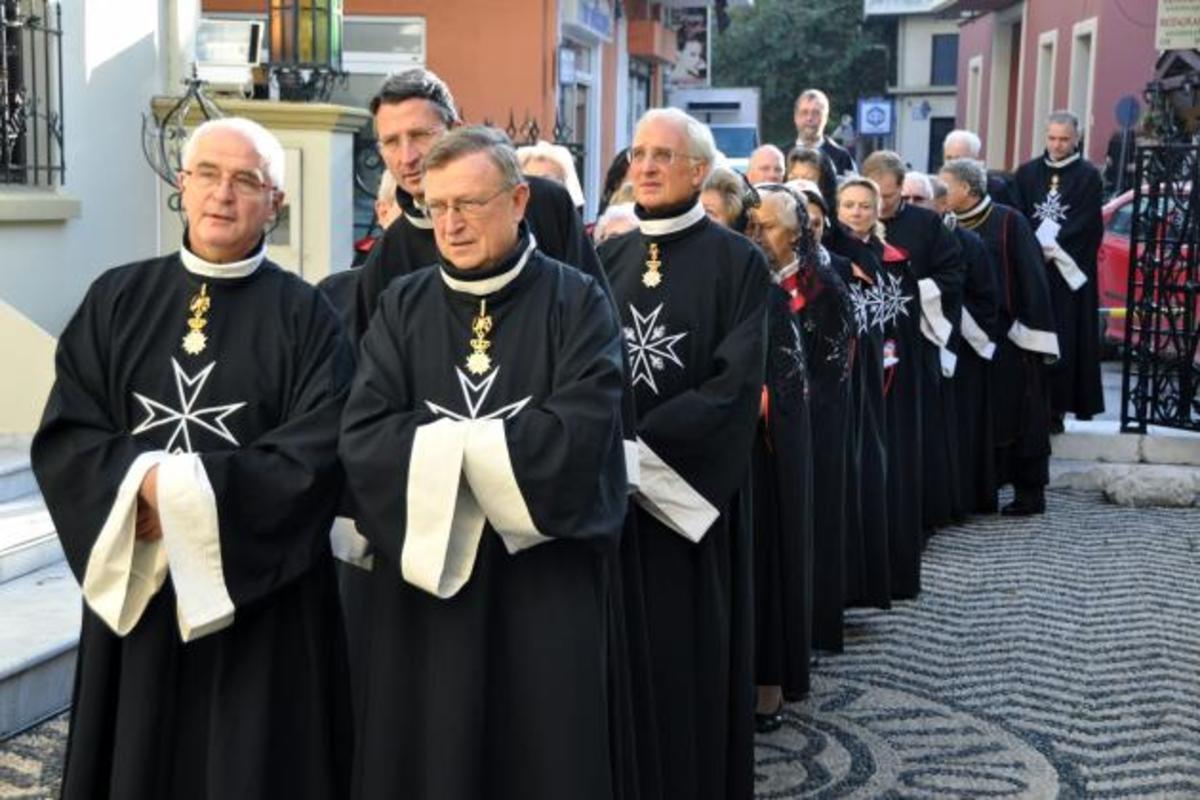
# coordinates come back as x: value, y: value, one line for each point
x: 306, y: 47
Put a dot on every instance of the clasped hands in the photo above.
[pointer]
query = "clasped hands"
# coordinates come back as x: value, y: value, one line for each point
x: 149, y: 526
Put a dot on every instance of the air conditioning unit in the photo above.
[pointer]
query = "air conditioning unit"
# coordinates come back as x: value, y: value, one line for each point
x: 227, y: 51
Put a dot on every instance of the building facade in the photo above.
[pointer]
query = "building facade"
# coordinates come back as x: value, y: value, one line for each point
x: 1019, y: 60
x: 925, y: 69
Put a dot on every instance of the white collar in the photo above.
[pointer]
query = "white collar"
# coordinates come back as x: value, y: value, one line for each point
x: 786, y: 272
x: 493, y: 284
x: 237, y: 269
x: 662, y: 227
x: 981, y: 207
x: 1066, y: 162
x: 418, y: 221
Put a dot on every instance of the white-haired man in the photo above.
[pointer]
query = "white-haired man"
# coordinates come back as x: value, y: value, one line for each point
x: 766, y: 165
x: 1061, y: 193
x: 692, y: 299
x: 1022, y: 340
x: 962, y: 143
x: 811, y: 117
x: 188, y: 456
x: 482, y: 444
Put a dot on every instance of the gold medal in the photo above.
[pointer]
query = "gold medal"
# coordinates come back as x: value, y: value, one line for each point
x: 195, y: 340
x: 479, y: 362
x: 652, y: 277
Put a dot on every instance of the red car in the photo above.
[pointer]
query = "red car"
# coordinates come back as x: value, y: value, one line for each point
x: 1112, y: 268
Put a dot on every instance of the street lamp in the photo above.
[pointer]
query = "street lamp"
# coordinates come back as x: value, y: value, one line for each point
x: 305, y: 47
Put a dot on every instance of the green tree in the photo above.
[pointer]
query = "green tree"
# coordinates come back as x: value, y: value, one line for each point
x: 786, y: 46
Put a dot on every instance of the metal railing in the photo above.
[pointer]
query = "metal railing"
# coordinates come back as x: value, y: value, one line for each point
x: 1161, y: 377
x: 31, y: 119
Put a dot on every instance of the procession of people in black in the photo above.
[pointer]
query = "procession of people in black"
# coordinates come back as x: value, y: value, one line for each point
x: 596, y: 510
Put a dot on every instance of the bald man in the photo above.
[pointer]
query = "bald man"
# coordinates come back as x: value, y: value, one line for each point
x: 766, y: 165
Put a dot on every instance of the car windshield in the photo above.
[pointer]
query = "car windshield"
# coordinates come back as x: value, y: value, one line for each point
x: 735, y: 142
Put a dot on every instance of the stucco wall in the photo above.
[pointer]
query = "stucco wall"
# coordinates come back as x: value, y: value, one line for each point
x: 112, y: 66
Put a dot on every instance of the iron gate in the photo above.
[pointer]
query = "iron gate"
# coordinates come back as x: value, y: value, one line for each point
x: 1162, y: 325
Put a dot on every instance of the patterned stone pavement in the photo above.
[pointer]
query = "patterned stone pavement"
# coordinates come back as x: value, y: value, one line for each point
x: 1052, y: 657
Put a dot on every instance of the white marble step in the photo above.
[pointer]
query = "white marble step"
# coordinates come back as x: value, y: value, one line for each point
x: 39, y: 636
x: 27, y: 538
x: 16, y: 476
x: 1101, y: 440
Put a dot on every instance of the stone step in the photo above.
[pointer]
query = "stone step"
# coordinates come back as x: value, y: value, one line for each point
x: 28, y: 541
x: 1130, y: 484
x: 1101, y: 440
x: 16, y: 476
x: 39, y: 638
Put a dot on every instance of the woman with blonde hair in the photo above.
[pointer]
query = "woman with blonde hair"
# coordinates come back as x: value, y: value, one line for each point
x: 893, y: 307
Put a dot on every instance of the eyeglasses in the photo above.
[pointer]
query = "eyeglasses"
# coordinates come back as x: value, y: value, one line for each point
x: 468, y: 208
x: 658, y: 156
x: 244, y: 183
x: 417, y: 138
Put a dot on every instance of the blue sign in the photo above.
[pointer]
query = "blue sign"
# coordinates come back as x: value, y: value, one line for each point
x: 1128, y: 111
x: 875, y: 117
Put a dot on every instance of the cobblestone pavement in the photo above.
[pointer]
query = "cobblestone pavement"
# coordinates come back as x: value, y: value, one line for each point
x: 1056, y: 656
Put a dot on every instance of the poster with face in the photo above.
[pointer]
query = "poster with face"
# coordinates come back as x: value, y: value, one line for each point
x: 692, y: 47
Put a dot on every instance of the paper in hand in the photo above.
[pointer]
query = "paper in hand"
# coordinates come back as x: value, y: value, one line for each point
x: 1047, y: 233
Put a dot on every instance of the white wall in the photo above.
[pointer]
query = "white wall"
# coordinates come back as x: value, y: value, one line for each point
x: 113, y: 63
x: 915, y: 58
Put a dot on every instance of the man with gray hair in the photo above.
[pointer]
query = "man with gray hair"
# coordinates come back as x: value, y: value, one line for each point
x: 1023, y: 340
x: 962, y: 143
x: 412, y: 110
x: 482, y: 445
x: 1061, y: 194
x: 811, y: 117
x: 692, y: 298
x: 766, y: 165
x: 188, y: 456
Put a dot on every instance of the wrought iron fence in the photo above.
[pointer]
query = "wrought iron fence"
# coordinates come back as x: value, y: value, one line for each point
x: 1161, y: 380
x: 31, y: 121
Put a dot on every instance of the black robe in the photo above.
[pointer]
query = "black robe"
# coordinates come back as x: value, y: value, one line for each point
x: 840, y: 156
x: 1026, y: 343
x: 408, y: 243
x: 895, y: 303
x: 975, y: 347
x: 696, y: 345
x: 1070, y: 195
x: 211, y: 662
x: 936, y: 261
x: 868, y: 580
x: 826, y: 319
x: 494, y: 504
x: 783, y: 510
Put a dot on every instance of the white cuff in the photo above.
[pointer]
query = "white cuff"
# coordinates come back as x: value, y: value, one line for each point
x: 633, y: 472
x: 444, y: 523
x: 350, y: 546
x: 122, y: 573
x: 948, y: 360
x: 976, y: 337
x: 187, y: 508
x: 667, y: 497
x: 1035, y: 341
x: 1070, y: 271
x: 934, y: 324
x: 489, y: 473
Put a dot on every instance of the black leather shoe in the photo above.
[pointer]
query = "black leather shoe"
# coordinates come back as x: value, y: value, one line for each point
x: 1024, y: 507
x: 768, y: 723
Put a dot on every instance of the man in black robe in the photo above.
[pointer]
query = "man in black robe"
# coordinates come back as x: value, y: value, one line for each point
x: 936, y: 261
x: 412, y: 110
x: 1026, y: 338
x: 188, y: 456
x: 811, y: 117
x: 692, y: 299
x: 482, y: 444
x: 1061, y: 194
